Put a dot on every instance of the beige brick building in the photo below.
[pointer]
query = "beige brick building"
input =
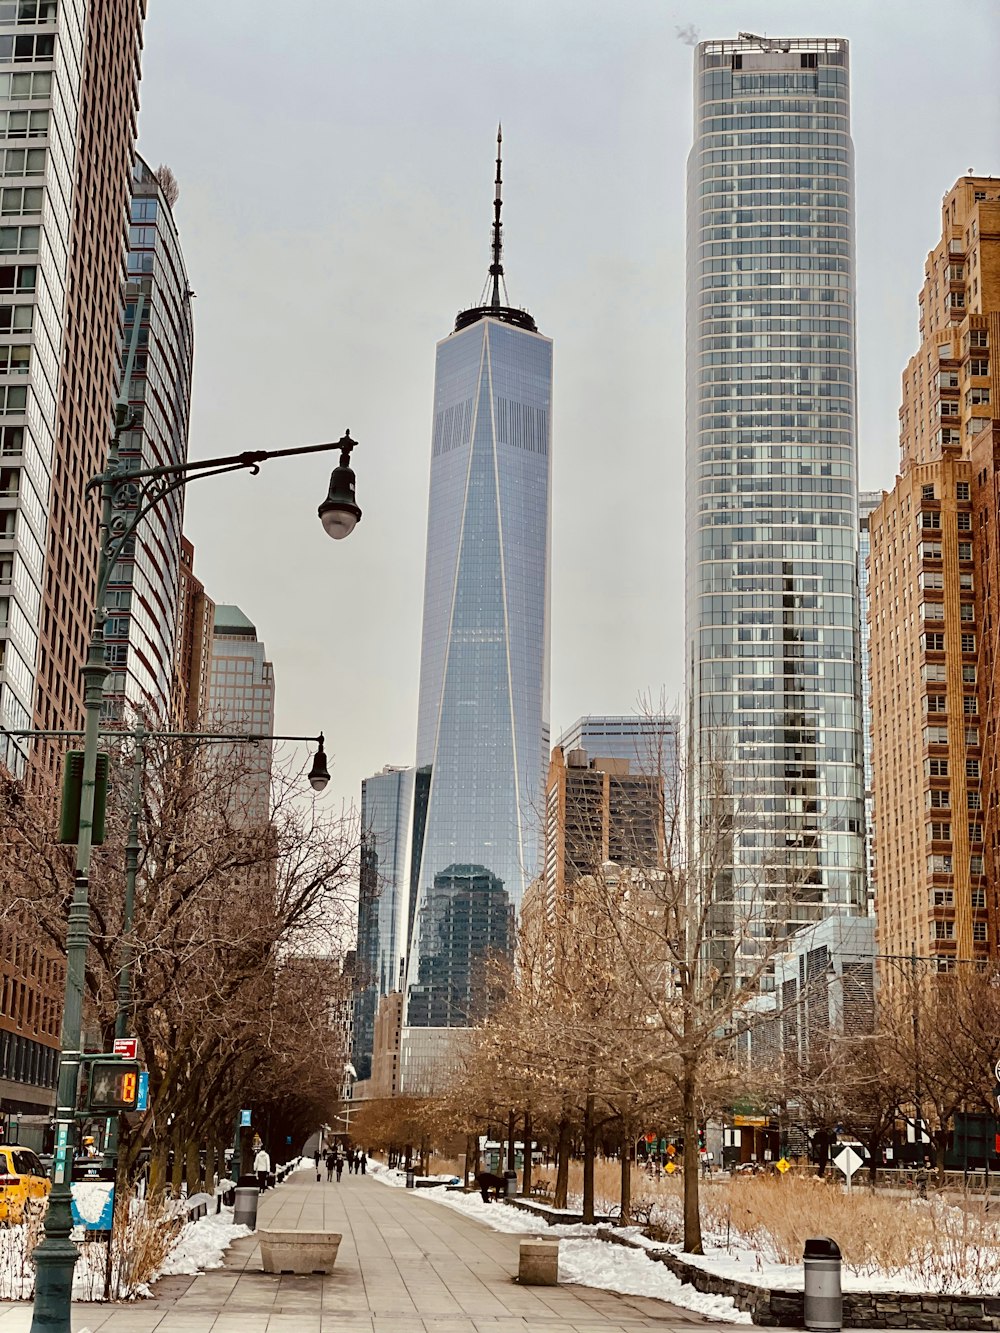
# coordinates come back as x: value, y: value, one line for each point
x: 933, y: 588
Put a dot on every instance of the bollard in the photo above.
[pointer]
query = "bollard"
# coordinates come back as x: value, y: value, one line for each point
x: 823, y: 1305
x: 510, y: 1178
x: 245, y: 1207
x: 410, y: 1177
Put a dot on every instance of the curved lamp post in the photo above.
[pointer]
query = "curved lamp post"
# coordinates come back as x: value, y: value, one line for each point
x: 126, y: 499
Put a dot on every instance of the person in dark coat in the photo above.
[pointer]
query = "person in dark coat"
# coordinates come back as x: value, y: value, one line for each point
x: 350, y: 1161
x: 340, y: 1166
x: 363, y: 1161
x: 331, y: 1162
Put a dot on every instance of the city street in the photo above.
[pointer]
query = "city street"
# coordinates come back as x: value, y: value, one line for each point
x: 405, y: 1265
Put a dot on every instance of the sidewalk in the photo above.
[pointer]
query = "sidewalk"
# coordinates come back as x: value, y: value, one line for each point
x: 406, y: 1265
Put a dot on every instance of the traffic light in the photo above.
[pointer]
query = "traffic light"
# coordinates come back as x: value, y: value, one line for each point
x: 114, y: 1085
x: 701, y: 1138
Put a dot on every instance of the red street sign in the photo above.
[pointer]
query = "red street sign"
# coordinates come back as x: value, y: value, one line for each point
x: 127, y: 1047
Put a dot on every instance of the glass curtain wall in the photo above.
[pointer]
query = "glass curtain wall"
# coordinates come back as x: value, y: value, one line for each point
x: 772, y: 502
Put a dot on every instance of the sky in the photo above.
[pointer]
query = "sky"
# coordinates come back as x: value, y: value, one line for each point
x: 335, y: 163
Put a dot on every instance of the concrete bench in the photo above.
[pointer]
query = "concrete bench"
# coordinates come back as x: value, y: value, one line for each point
x: 287, y: 1251
x: 538, y: 1264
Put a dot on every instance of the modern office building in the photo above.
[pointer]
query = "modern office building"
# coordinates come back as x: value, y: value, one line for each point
x: 69, y: 76
x: 241, y: 699
x: 867, y: 501
x: 772, y: 498
x: 934, y: 601
x: 142, y: 602
x: 384, y: 900
x: 193, y: 644
x: 484, y: 673
x: 648, y: 742
x: 89, y: 152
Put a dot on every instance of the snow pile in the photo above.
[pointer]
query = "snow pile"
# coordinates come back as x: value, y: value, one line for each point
x: 202, y: 1244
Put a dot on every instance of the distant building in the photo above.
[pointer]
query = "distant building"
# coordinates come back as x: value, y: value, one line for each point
x: 193, y: 647
x: 241, y: 699
x: 648, y: 743
x: 484, y: 672
x: 385, y: 897
x: 934, y: 596
x: 142, y: 597
x: 868, y: 501
x: 385, y: 1056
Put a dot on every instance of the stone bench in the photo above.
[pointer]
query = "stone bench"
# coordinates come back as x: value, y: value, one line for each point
x: 286, y: 1251
x: 538, y: 1264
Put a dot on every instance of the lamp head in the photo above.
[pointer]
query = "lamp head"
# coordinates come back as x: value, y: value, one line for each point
x: 339, y: 512
x: 319, y: 774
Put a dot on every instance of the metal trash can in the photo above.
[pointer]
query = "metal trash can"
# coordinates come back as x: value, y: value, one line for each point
x: 823, y: 1305
x: 410, y: 1178
x: 511, y: 1180
x: 247, y: 1194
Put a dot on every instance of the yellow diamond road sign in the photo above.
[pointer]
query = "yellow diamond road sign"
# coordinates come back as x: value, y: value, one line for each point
x: 670, y: 1168
x: 783, y: 1164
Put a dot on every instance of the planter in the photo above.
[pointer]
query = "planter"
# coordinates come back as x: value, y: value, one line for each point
x: 298, y: 1251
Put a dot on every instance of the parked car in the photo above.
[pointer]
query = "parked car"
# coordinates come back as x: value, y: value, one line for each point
x: 23, y: 1182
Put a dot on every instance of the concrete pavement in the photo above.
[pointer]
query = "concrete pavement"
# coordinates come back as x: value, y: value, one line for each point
x: 406, y: 1265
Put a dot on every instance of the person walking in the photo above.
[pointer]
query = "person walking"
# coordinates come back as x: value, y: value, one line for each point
x: 350, y: 1161
x: 340, y: 1166
x: 363, y: 1161
x: 262, y: 1166
x: 331, y: 1162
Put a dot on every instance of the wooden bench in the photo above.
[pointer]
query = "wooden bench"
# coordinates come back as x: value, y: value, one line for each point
x: 543, y: 1190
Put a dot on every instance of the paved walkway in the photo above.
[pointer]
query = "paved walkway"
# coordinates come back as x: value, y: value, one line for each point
x: 406, y: 1265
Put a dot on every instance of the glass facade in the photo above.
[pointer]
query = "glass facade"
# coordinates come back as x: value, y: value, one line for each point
x: 484, y: 682
x: 241, y: 699
x: 868, y: 501
x: 41, y: 57
x: 383, y: 900
x: 772, y: 501
x: 649, y: 744
x: 142, y: 600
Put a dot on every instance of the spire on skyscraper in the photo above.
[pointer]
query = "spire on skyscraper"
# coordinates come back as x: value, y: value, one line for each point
x: 493, y: 303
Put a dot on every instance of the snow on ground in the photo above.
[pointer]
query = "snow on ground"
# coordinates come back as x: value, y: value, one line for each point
x: 202, y: 1244
x: 583, y: 1259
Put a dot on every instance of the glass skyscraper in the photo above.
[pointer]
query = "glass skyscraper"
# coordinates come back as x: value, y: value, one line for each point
x: 484, y: 678
x: 772, y: 499
x: 868, y: 501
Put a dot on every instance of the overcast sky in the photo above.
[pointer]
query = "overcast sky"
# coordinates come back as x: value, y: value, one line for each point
x: 335, y: 163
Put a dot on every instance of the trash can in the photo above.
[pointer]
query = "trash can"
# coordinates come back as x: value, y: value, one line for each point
x: 410, y: 1177
x: 510, y: 1177
x: 824, y: 1306
x: 245, y: 1208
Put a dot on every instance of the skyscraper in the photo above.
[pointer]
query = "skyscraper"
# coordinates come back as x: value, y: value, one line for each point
x: 69, y: 78
x: 484, y: 672
x: 142, y: 598
x: 241, y: 698
x: 934, y: 592
x: 867, y: 501
x: 772, y: 499
x: 647, y: 742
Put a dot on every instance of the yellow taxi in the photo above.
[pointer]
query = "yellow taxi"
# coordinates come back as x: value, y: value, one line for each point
x: 23, y: 1182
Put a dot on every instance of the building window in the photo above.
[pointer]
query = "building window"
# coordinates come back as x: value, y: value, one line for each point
x: 965, y: 550
x: 930, y: 518
x: 977, y: 367
x: 979, y: 931
x: 970, y: 705
x: 968, y: 643
x: 933, y: 643
x: 944, y: 930
x: 972, y: 768
x: 937, y: 768
x: 961, y: 490
x: 978, y: 897
x: 937, y: 703
x: 964, y: 522
x: 973, y: 799
x: 979, y: 338
x: 967, y: 611
x: 935, y: 735
x: 972, y: 735
x: 973, y: 398
x: 940, y: 832
x: 938, y: 799
x: 927, y: 492
x: 976, y: 868
x: 947, y: 407
x: 943, y: 897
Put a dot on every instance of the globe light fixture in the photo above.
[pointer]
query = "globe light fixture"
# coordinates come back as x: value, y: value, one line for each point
x: 319, y: 774
x: 339, y: 512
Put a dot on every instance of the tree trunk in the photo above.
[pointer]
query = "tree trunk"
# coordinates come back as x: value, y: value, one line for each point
x: 210, y: 1166
x: 158, y: 1169
x: 562, y: 1165
x: 625, y: 1211
x: 468, y: 1169
x: 177, y: 1173
x: 692, y: 1166
x: 526, y: 1177
x: 589, y: 1145
x: 511, y: 1131
x: 193, y: 1166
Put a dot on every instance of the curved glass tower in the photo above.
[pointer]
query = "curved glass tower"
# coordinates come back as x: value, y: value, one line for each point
x: 484, y: 672
x: 772, y: 501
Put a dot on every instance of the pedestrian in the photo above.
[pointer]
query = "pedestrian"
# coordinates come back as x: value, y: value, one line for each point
x: 317, y: 1158
x: 262, y: 1166
x: 363, y: 1161
x: 331, y: 1162
x: 350, y: 1161
x: 340, y: 1166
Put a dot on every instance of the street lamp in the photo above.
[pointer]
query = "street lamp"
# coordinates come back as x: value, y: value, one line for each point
x: 126, y: 500
x: 319, y: 774
x: 339, y: 513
